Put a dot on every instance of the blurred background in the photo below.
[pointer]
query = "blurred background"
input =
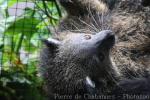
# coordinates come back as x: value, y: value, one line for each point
x: 23, y: 23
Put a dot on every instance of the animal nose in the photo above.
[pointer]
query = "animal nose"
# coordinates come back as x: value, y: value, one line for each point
x: 110, y: 37
x: 106, y: 38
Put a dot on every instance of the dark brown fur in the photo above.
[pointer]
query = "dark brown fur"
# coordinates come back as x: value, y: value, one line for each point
x: 130, y: 22
x: 67, y: 65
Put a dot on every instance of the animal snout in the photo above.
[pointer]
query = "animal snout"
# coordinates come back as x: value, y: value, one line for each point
x: 110, y: 37
x: 108, y: 34
x: 106, y: 38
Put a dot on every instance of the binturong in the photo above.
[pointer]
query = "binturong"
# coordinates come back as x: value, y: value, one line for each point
x: 78, y: 64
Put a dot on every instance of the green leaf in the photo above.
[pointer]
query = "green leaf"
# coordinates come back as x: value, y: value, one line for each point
x: 12, y: 2
x: 23, y: 25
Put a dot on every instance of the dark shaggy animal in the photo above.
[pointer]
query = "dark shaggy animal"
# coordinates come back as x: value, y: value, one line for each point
x: 79, y: 64
x: 77, y: 59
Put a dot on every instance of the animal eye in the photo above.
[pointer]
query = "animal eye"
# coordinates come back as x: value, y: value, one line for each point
x: 101, y: 56
x: 87, y: 37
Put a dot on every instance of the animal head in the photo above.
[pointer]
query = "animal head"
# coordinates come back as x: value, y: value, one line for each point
x: 90, y: 53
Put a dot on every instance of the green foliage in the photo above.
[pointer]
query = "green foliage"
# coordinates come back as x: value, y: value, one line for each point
x: 20, y: 45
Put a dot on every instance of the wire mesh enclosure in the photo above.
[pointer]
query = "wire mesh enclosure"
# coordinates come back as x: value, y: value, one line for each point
x: 23, y: 23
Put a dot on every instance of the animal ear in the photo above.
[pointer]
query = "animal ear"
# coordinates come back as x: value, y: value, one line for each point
x: 52, y: 43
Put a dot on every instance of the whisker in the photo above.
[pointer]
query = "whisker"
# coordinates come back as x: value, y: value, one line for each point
x: 97, y: 30
x: 102, y: 21
x: 94, y: 28
x: 74, y: 24
x: 90, y: 13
